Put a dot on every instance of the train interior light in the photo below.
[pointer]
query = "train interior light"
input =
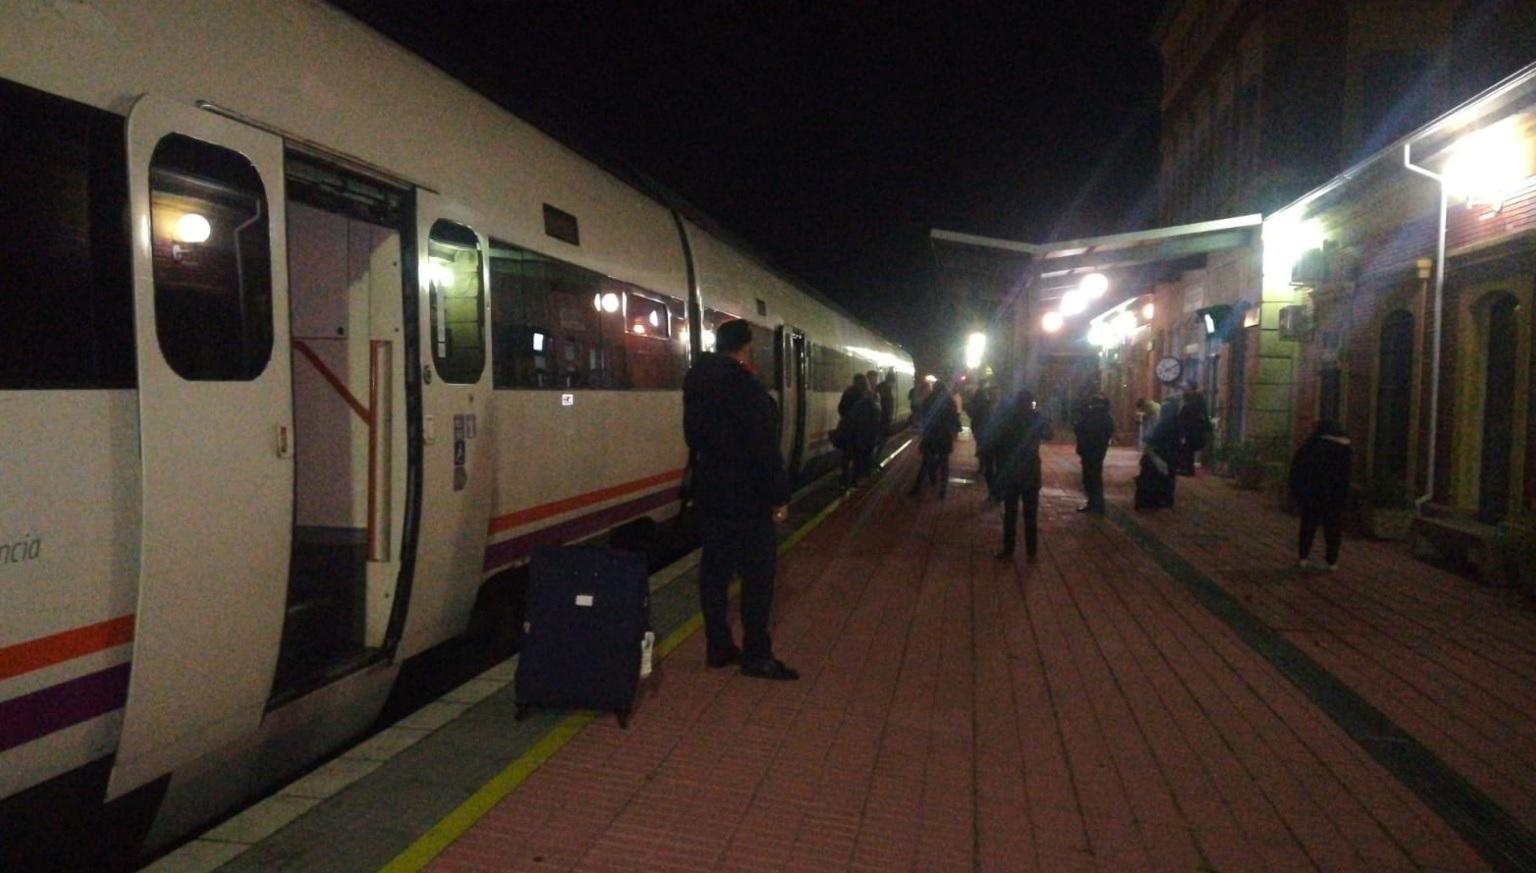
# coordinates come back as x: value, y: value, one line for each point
x: 193, y: 228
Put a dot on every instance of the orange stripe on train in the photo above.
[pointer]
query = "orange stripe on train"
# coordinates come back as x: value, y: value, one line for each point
x: 65, y: 646
x: 546, y: 510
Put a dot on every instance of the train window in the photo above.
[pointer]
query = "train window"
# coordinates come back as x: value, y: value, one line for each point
x: 458, y: 302
x: 557, y: 325
x: 211, y: 260
x: 66, y: 315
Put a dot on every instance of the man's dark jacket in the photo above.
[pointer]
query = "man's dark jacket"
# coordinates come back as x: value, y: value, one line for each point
x: 1016, y: 433
x: 1094, y: 430
x: 1320, y: 472
x: 731, y: 425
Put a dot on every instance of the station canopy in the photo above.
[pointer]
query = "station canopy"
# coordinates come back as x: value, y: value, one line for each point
x: 1002, y: 272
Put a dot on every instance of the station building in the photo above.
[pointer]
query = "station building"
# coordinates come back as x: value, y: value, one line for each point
x: 1395, y: 298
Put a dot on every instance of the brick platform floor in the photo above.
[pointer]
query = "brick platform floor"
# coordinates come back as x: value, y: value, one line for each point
x: 1083, y: 712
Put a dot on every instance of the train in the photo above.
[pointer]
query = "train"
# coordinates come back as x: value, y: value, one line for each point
x: 307, y: 347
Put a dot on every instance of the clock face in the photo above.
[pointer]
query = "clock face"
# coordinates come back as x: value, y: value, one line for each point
x: 1168, y: 370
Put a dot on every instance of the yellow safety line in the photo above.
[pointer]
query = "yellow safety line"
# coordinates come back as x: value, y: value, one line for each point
x: 453, y: 825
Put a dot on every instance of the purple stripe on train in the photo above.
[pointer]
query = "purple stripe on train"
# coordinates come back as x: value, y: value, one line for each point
x: 25, y: 718
x: 507, y: 551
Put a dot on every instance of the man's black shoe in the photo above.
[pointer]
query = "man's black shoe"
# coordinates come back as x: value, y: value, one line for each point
x: 723, y: 658
x: 769, y: 668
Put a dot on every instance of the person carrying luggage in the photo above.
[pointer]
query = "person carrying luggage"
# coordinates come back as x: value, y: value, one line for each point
x: 1156, y: 483
x: 741, y: 489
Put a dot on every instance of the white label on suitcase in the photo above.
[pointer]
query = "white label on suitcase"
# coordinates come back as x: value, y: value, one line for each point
x: 583, y: 600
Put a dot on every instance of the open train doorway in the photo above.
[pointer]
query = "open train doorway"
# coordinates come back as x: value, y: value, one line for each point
x: 795, y: 373
x: 344, y: 255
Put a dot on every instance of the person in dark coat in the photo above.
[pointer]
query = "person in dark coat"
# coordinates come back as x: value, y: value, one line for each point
x: 741, y: 489
x: 1016, y: 432
x: 1157, y: 481
x: 887, y: 394
x: 1094, y: 429
x: 858, y: 430
x: 979, y: 409
x: 1320, y: 481
x: 938, y: 425
x: 1194, y: 429
x: 982, y: 418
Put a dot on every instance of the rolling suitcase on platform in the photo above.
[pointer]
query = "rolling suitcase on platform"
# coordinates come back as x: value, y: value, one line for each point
x: 588, y: 614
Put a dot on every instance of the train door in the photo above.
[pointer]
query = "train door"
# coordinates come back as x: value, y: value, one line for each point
x: 215, y: 433
x: 795, y: 372
x: 345, y: 298
x: 451, y: 271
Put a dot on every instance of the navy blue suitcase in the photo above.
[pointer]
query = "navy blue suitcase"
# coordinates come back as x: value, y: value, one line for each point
x: 588, y: 611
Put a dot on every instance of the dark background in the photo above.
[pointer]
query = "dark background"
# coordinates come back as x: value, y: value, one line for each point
x: 832, y: 136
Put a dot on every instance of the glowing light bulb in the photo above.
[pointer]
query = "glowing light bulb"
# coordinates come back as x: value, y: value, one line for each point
x: 1073, y: 302
x: 640, y: 329
x: 192, y: 228
x: 610, y: 302
x: 708, y: 336
x: 655, y: 318
x: 1051, y: 322
x: 1147, y: 311
x: 1094, y: 285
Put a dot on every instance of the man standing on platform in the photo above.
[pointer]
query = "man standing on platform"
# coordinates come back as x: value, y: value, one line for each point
x: 1016, y: 433
x: 741, y: 490
x: 1094, y: 429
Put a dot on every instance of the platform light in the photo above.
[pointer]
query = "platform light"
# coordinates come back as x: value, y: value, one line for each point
x: 192, y: 228
x: 1148, y: 310
x: 975, y: 347
x: 1286, y: 238
x: 1094, y: 285
x: 1073, y: 302
x: 1051, y: 322
x: 1125, y: 324
x: 1487, y: 165
x: 1099, y: 335
x: 608, y: 302
x: 708, y: 338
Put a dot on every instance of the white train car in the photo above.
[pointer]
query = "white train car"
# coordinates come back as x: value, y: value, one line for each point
x: 303, y: 342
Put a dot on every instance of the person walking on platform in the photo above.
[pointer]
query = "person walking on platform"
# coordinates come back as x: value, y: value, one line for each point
x: 741, y: 489
x: 1094, y: 429
x: 1194, y: 429
x: 938, y: 425
x: 857, y: 430
x: 1016, y: 433
x: 1320, y: 481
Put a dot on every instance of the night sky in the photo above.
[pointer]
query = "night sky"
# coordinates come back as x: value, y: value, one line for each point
x: 832, y: 136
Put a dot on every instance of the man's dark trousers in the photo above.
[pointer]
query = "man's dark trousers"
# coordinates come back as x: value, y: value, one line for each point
x: 745, y: 547
x: 1093, y: 482
x: 1031, y: 500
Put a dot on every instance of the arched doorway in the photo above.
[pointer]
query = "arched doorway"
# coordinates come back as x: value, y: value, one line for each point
x: 1394, y: 396
x: 1499, y: 376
